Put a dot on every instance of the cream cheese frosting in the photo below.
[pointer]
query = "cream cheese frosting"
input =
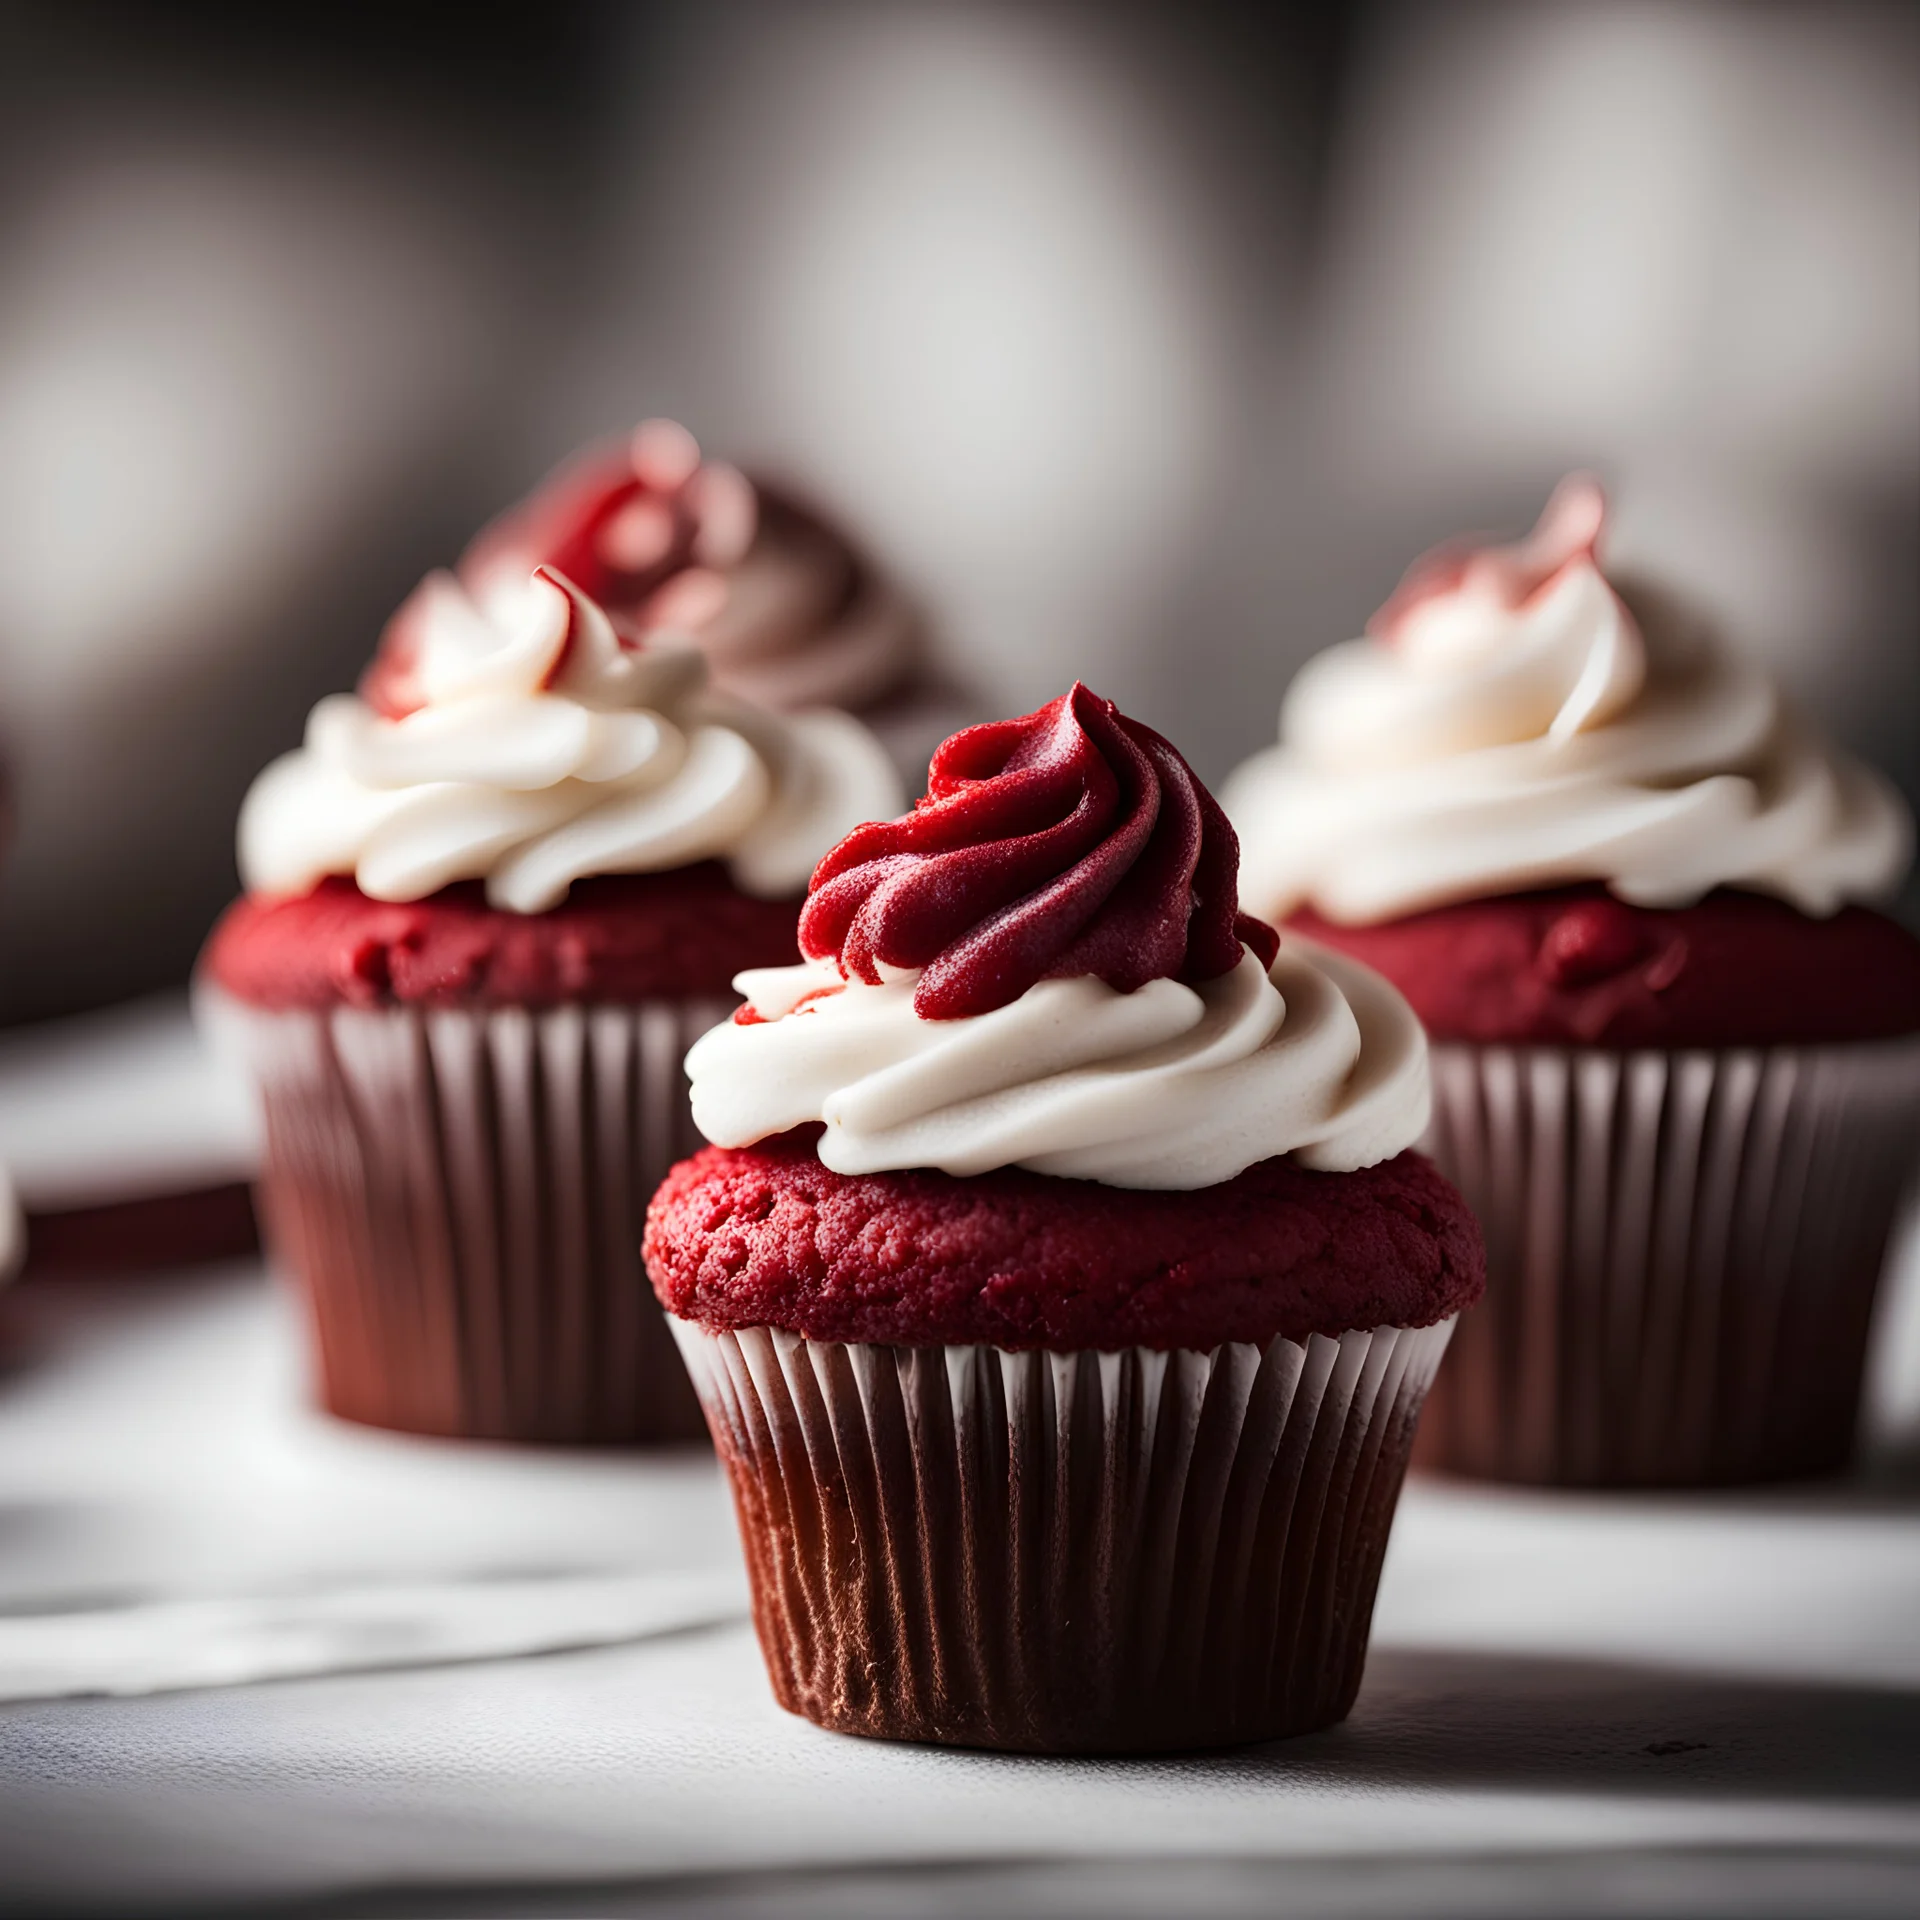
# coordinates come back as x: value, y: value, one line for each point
x: 519, y: 739
x: 1170, y: 1086
x: 1510, y: 722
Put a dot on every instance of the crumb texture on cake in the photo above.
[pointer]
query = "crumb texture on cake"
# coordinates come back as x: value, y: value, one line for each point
x: 616, y: 937
x: 1574, y: 966
x: 767, y: 1236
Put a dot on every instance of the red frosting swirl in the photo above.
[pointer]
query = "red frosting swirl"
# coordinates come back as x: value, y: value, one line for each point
x: 1072, y: 841
x: 643, y: 527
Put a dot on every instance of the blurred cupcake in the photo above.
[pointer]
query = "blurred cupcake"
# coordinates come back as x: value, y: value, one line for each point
x: 787, y: 611
x: 1676, y: 1072
x: 1060, y: 1292
x: 488, y: 904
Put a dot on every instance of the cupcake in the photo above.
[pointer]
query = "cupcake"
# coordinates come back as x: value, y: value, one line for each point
x: 1677, y: 1057
x: 1059, y: 1287
x: 788, y: 612
x: 488, y: 905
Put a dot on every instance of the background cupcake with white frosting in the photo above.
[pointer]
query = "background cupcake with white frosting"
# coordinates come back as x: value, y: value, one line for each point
x: 488, y: 904
x: 1060, y: 1288
x: 790, y: 613
x: 1677, y: 1059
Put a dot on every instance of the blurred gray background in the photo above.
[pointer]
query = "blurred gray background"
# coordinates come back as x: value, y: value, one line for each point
x: 1146, y: 344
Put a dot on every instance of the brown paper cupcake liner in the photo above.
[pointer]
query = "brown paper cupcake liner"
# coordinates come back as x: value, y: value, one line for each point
x: 460, y: 1194
x: 1064, y: 1552
x: 1682, y: 1254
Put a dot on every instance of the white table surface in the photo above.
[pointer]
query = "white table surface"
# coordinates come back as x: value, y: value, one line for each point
x: 119, y: 1105
x: 1575, y: 1705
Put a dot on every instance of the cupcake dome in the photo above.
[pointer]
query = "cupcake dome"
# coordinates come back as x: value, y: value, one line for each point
x: 767, y: 1236
x: 1551, y: 808
x: 1578, y: 966
x: 524, y: 805
x: 1060, y: 1239
x: 615, y: 937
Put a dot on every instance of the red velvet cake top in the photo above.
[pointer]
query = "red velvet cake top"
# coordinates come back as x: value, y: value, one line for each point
x: 1071, y: 842
x: 616, y: 937
x: 1573, y: 966
x: 767, y: 1236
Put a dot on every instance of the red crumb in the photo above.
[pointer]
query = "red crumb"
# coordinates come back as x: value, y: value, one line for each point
x: 767, y: 1236
x: 1575, y: 966
x: 616, y: 937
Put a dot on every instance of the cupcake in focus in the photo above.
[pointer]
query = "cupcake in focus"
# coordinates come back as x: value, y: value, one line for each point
x: 1677, y: 1053
x: 488, y: 904
x: 789, y: 613
x: 1059, y: 1287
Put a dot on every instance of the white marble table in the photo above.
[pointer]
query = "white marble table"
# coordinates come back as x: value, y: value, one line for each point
x: 1575, y: 1705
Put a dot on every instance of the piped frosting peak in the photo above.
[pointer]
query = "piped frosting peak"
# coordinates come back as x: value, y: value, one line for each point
x: 646, y: 528
x: 1072, y: 842
x: 1516, y: 720
x: 525, y: 739
x: 1044, y: 965
x: 788, y: 612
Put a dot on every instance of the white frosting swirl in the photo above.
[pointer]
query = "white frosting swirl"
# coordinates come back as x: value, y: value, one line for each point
x: 1171, y: 1086
x: 1511, y: 724
x: 524, y: 743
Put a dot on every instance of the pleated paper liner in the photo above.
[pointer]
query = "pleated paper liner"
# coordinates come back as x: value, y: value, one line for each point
x: 460, y: 1195
x: 1682, y: 1254
x: 1064, y: 1553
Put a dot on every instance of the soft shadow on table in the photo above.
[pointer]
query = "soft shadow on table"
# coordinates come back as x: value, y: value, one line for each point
x: 1887, y: 1483
x: 38, y: 1530
x: 1506, y: 1721
x: 1796, y: 1884
x: 1427, y: 1720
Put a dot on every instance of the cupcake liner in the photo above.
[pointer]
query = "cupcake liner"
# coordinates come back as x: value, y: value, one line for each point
x: 1682, y: 1254
x: 1064, y: 1552
x: 460, y: 1194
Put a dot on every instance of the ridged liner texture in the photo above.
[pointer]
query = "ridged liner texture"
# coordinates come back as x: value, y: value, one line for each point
x: 1682, y: 1254
x: 1064, y: 1552
x: 460, y: 1194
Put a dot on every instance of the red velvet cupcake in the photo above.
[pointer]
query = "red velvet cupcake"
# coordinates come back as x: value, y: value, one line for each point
x: 1676, y: 1061
x: 489, y: 903
x: 1060, y: 1290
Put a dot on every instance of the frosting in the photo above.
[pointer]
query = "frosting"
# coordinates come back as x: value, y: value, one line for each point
x: 525, y: 741
x: 806, y: 621
x: 787, y: 613
x: 1044, y: 966
x: 646, y: 528
x: 1167, y: 1086
x: 1513, y: 721
x: 1072, y: 841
